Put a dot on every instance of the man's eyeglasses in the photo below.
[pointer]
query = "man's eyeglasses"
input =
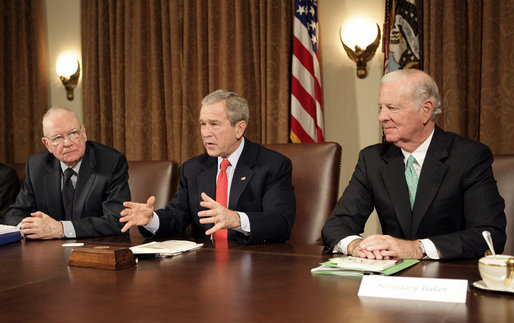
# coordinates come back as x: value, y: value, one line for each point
x: 72, y: 135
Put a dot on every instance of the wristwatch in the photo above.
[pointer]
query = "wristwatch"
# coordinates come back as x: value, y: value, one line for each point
x: 422, y: 249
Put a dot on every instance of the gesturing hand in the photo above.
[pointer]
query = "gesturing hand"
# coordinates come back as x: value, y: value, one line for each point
x: 218, y: 215
x: 137, y: 213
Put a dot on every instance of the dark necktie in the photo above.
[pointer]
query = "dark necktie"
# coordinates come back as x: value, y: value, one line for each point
x: 68, y: 191
x: 221, y: 198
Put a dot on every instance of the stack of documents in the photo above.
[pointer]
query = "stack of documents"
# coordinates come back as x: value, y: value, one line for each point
x: 165, y: 248
x: 9, y: 233
x: 357, y: 267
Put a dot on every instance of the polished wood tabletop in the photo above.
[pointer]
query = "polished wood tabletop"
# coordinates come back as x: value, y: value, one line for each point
x: 260, y: 283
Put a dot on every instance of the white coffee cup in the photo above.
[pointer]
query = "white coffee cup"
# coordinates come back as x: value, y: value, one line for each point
x: 497, y: 272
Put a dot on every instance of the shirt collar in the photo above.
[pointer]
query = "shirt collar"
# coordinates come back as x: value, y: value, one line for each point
x: 420, y: 152
x: 75, y: 168
x: 234, y: 157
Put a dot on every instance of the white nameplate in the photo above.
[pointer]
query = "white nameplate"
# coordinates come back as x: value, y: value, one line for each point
x: 425, y: 289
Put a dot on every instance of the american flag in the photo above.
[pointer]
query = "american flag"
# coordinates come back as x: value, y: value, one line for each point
x: 306, y: 96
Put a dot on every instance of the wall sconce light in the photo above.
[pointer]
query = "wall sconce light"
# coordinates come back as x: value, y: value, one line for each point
x: 360, y: 33
x: 68, y: 69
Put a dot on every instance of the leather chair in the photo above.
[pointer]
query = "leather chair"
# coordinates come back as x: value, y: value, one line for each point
x: 316, y: 171
x: 153, y: 177
x: 503, y: 169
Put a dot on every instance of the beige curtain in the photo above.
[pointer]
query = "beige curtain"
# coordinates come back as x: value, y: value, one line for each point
x: 148, y: 64
x: 468, y: 48
x: 23, y: 97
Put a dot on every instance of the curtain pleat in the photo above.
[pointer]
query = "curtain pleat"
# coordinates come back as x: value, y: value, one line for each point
x: 468, y: 48
x: 497, y: 90
x: 23, y: 87
x: 148, y: 64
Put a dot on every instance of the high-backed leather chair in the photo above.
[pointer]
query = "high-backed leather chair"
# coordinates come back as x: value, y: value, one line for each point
x: 316, y: 170
x: 153, y: 177
x: 503, y: 169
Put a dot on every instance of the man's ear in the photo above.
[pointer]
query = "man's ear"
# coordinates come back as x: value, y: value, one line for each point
x: 240, y: 129
x: 428, y: 109
x: 47, y: 144
x: 84, y: 131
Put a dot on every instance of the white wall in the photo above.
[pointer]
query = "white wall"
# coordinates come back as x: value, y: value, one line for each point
x: 62, y: 21
x: 350, y: 103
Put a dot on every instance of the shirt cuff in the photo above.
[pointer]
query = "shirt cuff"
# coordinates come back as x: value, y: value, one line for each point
x: 154, y: 223
x: 430, y: 249
x: 342, y: 245
x: 68, y: 229
x: 245, y: 224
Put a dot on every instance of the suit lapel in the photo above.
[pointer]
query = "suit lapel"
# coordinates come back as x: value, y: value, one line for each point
x: 393, y: 175
x: 242, y: 174
x: 52, y: 183
x: 205, y: 180
x: 242, y: 177
x: 86, y: 178
x: 431, y: 177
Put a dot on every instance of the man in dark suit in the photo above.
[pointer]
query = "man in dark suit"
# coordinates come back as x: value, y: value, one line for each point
x: 454, y: 200
x: 261, y: 201
x: 85, y: 203
x: 9, y: 188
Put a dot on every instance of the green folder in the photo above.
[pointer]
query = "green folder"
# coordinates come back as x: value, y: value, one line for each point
x: 331, y: 268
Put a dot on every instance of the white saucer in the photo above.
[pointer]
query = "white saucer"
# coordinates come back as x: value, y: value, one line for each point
x: 480, y: 284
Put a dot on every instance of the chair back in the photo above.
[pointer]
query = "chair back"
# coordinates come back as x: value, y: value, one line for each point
x: 503, y: 169
x: 316, y: 170
x: 152, y: 177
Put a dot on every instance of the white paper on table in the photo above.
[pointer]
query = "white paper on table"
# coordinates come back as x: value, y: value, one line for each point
x: 166, y: 248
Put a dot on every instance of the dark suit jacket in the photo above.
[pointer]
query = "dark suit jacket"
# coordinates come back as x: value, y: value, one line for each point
x: 261, y: 187
x: 101, y: 189
x: 9, y: 188
x: 457, y: 197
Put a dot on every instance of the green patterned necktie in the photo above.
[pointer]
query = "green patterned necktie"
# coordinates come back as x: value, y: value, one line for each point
x: 412, y: 180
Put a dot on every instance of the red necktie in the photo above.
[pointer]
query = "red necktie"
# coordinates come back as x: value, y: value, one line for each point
x: 221, y: 197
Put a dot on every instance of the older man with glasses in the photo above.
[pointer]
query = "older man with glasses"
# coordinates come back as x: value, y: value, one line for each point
x: 75, y: 189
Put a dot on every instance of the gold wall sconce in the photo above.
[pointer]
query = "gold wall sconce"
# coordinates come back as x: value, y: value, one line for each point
x: 360, y: 33
x: 68, y: 70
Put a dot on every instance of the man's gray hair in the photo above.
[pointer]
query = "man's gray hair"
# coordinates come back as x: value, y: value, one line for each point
x: 421, y: 88
x: 53, y: 110
x: 237, y: 107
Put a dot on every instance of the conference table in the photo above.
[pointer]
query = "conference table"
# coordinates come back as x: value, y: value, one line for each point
x: 258, y: 283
